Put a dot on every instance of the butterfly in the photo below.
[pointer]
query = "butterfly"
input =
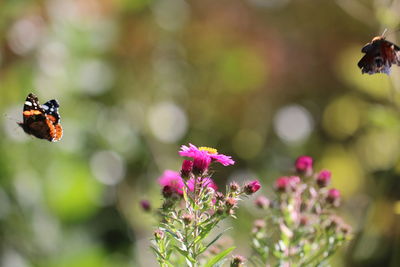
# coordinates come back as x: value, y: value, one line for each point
x: 41, y: 121
x: 379, y: 56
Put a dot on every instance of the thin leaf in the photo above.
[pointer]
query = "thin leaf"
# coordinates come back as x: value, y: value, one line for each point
x: 172, y: 233
x: 212, y: 262
x: 185, y: 254
x: 214, y: 240
x: 161, y: 257
x: 156, y: 252
x: 204, y: 232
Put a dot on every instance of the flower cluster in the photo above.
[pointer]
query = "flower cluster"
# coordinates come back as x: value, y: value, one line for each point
x: 193, y: 207
x: 300, y: 226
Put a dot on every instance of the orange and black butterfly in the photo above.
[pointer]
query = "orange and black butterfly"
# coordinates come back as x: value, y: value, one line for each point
x: 379, y: 56
x: 41, y: 121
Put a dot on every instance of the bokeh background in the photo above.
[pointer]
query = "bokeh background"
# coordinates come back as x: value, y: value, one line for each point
x: 261, y: 80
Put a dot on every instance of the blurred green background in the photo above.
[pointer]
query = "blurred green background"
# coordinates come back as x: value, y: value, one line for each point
x: 261, y: 80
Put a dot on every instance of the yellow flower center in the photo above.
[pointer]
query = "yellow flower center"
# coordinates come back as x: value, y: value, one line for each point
x: 208, y: 149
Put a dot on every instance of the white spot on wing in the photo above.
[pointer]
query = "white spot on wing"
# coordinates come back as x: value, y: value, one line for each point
x: 28, y: 103
x: 45, y: 107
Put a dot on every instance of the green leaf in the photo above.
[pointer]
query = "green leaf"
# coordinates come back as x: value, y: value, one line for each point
x: 156, y: 252
x: 212, y: 262
x: 185, y: 254
x: 204, y: 232
x: 214, y: 240
x: 171, y: 233
x: 161, y: 258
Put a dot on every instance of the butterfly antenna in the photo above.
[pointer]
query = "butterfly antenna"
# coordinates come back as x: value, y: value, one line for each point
x: 389, y: 33
x: 384, y: 32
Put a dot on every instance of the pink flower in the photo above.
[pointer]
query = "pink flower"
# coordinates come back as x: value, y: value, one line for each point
x: 173, y: 180
x: 333, y: 197
x: 201, y: 163
x: 323, y: 178
x: 262, y: 202
x: 192, y: 151
x: 282, y: 183
x: 252, y: 187
x: 187, y: 167
x: 205, y: 182
x: 294, y: 180
x: 285, y: 183
x: 304, y: 164
x: 145, y: 204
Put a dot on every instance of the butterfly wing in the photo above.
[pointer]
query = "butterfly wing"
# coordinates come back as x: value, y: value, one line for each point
x: 41, y: 121
x: 391, y: 52
x: 379, y: 56
x: 51, y: 110
x: 53, y: 119
x: 32, y: 109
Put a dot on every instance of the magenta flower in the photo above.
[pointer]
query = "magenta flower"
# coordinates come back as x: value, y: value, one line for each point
x: 145, y: 204
x: 252, y: 187
x: 205, y: 182
x: 282, y: 183
x: 323, y: 178
x: 192, y: 151
x: 173, y: 180
x: 333, y: 196
x: 201, y: 163
x: 187, y: 167
x: 285, y: 183
x: 304, y: 164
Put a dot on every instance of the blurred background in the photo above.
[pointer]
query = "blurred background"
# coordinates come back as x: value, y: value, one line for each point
x: 261, y: 80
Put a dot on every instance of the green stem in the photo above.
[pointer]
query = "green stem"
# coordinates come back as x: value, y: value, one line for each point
x: 196, y: 229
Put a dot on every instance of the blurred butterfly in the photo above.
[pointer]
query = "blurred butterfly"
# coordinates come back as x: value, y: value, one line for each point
x: 41, y: 121
x: 379, y: 56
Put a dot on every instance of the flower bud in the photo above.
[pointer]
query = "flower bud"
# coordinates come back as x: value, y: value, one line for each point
x: 333, y: 197
x: 262, y: 202
x: 187, y: 218
x: 258, y: 225
x: 237, y: 261
x: 158, y: 234
x: 334, y: 222
x: 219, y: 196
x: 167, y: 191
x: 285, y: 183
x: 282, y: 184
x: 304, y: 165
x: 251, y: 187
x: 323, y: 178
x: 230, y: 202
x: 145, y: 204
x: 304, y: 220
x: 294, y: 180
x: 345, y: 229
x: 234, y: 187
x: 186, y: 170
x: 220, y: 211
x: 201, y: 164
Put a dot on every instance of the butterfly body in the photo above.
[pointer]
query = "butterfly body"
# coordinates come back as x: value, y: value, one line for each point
x: 41, y: 121
x: 380, y: 55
